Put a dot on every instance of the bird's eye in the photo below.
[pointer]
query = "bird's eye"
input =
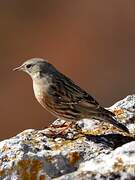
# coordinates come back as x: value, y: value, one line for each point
x: 28, y: 66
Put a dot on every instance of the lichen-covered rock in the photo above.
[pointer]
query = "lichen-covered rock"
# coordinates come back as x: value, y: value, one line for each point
x: 125, y: 111
x: 89, y: 150
x: 119, y: 164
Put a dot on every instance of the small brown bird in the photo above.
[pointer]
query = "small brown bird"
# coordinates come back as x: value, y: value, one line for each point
x: 62, y: 97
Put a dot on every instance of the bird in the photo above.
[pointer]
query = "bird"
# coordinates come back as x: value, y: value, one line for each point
x: 62, y: 97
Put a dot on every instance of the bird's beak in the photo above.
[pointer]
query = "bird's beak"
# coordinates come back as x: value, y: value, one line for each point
x: 20, y: 68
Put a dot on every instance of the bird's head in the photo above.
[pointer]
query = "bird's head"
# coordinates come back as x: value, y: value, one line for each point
x: 34, y: 66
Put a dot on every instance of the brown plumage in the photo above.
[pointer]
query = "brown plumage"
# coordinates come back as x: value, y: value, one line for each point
x: 62, y: 97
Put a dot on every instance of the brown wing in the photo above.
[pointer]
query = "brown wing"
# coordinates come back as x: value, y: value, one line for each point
x: 67, y: 92
x: 70, y: 101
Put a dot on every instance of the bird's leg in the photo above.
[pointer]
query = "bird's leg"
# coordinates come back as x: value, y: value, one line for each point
x: 58, y: 128
x: 59, y: 131
x: 65, y: 128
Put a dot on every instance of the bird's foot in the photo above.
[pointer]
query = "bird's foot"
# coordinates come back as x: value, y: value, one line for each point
x: 59, y: 131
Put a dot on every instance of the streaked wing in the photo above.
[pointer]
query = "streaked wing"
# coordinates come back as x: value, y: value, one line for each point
x: 67, y: 92
x: 69, y: 101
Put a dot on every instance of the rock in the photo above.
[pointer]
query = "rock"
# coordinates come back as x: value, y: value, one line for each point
x: 119, y: 164
x: 89, y: 150
x: 125, y: 112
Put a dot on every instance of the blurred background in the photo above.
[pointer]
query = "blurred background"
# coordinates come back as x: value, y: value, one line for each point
x: 93, y: 42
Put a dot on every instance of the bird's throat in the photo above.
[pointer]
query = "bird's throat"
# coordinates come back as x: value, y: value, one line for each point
x: 40, y: 87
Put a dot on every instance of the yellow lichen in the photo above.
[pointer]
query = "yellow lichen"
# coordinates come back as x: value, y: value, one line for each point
x: 118, y: 165
x: 50, y: 159
x: 1, y: 173
x: 67, y: 143
x: 29, y: 169
x: 73, y: 157
x: 42, y: 177
x: 60, y: 145
x: 5, y: 148
x: 119, y: 113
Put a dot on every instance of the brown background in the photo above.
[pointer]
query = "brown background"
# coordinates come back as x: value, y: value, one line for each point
x: 91, y: 41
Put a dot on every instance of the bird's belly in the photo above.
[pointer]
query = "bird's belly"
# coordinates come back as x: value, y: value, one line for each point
x: 43, y: 98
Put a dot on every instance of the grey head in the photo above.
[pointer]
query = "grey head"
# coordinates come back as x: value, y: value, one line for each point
x: 35, y: 66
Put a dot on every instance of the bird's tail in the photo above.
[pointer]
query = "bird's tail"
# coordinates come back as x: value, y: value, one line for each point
x: 119, y: 125
x: 110, y: 117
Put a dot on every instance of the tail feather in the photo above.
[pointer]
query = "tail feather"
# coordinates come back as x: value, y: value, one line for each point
x: 110, y: 117
x: 119, y: 125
